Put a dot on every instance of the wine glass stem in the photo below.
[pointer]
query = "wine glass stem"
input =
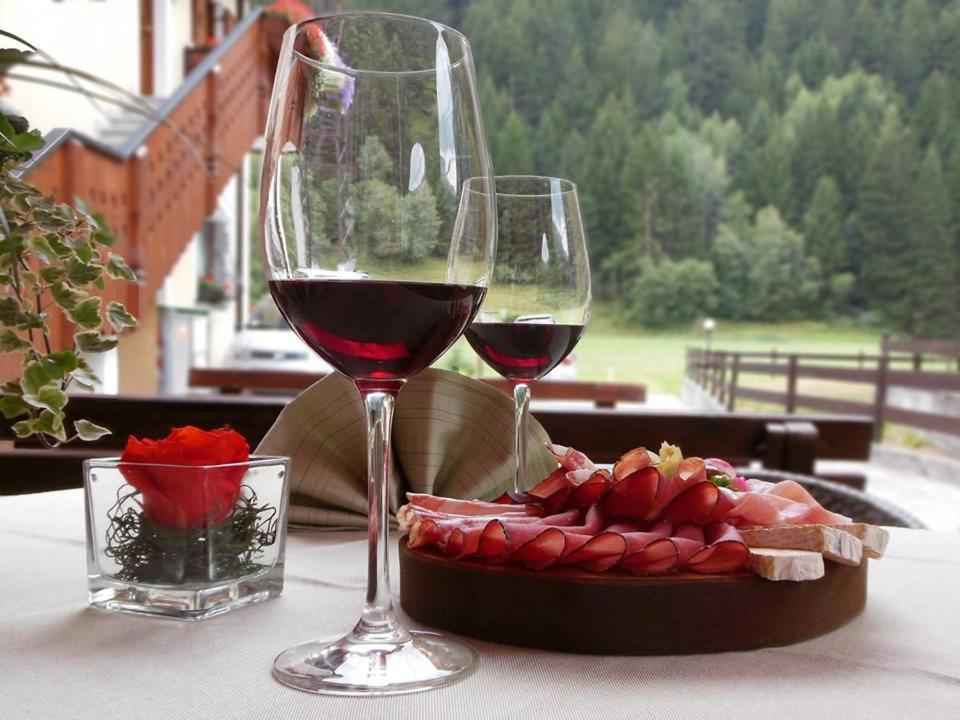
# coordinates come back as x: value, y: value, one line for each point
x: 521, y: 399
x: 378, y: 622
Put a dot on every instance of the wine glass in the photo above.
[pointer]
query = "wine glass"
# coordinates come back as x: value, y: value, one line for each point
x: 538, y: 302
x: 379, y: 227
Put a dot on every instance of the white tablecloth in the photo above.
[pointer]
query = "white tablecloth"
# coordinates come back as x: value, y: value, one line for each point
x: 60, y: 660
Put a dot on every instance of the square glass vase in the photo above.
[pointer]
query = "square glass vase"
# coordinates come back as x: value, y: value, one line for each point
x: 183, y: 541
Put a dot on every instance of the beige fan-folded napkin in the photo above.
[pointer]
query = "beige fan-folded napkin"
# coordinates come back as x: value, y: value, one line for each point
x: 452, y: 436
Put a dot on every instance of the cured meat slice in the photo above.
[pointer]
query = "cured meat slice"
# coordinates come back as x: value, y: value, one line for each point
x: 658, y: 556
x: 783, y: 503
x: 701, y: 503
x: 542, y: 550
x: 633, y: 496
x: 597, y: 552
x: 569, y: 458
x: 589, y: 492
x: 691, y: 471
x: 550, y: 485
x: 451, y: 506
x: 629, y: 463
x: 725, y: 550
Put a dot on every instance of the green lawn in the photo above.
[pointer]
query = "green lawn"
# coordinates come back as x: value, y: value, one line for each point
x: 609, y: 351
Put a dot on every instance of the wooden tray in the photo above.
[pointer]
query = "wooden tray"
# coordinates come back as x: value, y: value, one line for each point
x: 608, y: 614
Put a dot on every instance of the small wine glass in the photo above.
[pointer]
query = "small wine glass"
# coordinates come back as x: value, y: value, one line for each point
x: 379, y: 226
x: 538, y: 302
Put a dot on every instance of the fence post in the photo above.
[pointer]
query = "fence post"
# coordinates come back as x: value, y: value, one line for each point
x: 880, y: 398
x: 792, y: 383
x: 722, y: 389
x: 732, y: 390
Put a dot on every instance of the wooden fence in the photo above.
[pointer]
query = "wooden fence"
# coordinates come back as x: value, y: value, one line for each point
x: 721, y: 373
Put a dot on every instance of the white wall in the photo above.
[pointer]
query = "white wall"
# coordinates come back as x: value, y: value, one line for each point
x: 98, y: 37
x: 172, y: 20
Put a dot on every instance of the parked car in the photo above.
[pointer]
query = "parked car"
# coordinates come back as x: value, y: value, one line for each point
x: 566, y: 370
x: 268, y: 343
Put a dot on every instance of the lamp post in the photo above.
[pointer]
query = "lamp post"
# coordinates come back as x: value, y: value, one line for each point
x: 709, y: 325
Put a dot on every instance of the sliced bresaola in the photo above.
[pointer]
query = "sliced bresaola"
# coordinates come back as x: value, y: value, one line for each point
x: 590, y: 491
x: 633, y: 495
x: 637, y: 459
x: 594, y: 552
x: 657, y: 550
x: 724, y: 551
x: 700, y: 503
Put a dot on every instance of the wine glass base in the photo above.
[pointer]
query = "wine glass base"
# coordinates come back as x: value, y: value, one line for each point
x: 348, y: 666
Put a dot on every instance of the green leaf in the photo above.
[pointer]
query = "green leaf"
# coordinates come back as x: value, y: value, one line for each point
x: 60, y: 363
x: 84, y: 374
x: 11, y: 311
x: 89, y: 431
x: 49, y: 397
x: 118, y: 269
x: 41, y: 246
x: 94, y: 341
x: 84, y: 252
x: 34, y: 377
x: 81, y: 273
x: 12, y: 245
x: 50, y: 423
x: 104, y: 236
x: 12, y: 406
x: 66, y: 297
x: 52, y: 274
x: 34, y: 321
x: 86, y: 314
x: 23, y: 429
x: 13, y: 142
x: 119, y: 317
x: 11, y: 342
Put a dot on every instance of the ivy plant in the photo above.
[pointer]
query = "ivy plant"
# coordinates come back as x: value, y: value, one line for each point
x: 52, y: 256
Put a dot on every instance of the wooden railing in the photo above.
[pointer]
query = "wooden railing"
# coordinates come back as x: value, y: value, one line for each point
x: 156, y: 189
x: 233, y: 381
x: 603, y: 434
x: 721, y: 373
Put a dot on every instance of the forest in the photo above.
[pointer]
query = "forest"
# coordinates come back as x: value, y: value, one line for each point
x: 748, y: 159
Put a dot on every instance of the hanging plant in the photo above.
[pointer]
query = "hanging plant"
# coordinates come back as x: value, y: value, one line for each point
x: 52, y: 255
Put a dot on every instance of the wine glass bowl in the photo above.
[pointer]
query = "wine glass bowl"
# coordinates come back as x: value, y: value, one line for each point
x: 538, y: 302
x: 379, y: 226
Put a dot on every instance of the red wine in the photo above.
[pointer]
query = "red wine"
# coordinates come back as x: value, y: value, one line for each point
x: 523, y: 351
x: 377, y: 329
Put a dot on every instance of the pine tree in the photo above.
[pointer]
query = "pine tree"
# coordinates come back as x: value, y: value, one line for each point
x: 823, y: 227
x: 933, y: 291
x: 885, y: 213
x: 512, y: 152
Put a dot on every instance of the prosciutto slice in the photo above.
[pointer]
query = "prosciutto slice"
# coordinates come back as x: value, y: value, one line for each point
x: 647, y: 517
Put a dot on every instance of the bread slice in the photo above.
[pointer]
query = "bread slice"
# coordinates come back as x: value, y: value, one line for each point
x: 874, y: 538
x: 833, y: 543
x: 784, y: 564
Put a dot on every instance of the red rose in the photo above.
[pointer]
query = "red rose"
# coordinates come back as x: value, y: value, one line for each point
x: 187, y: 497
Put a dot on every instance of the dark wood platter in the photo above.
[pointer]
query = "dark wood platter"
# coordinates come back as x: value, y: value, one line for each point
x: 612, y: 614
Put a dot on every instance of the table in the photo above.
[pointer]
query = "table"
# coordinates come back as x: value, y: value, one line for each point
x: 61, y: 660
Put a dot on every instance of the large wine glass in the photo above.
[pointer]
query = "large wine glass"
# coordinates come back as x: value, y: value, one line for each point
x: 379, y: 227
x: 539, y: 299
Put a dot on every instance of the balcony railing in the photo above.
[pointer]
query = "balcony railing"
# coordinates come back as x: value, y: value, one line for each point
x: 158, y: 187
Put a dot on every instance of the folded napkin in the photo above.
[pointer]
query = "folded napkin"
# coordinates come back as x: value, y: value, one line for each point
x: 452, y: 436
